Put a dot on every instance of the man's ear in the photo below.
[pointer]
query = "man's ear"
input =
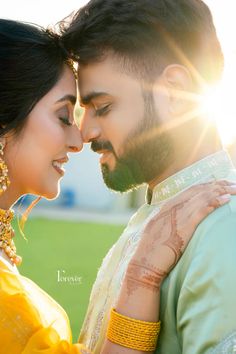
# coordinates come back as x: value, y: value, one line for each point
x: 179, y: 83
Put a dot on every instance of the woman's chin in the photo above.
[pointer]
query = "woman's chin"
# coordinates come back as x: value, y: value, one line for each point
x: 52, y: 194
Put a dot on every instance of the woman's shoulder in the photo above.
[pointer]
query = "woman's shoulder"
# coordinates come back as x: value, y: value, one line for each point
x: 25, y: 299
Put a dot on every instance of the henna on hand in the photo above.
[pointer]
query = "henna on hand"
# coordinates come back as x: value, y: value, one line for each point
x: 175, y: 242
x: 167, y: 234
x: 140, y: 274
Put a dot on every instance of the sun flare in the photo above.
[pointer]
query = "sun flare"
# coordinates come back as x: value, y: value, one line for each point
x: 218, y: 103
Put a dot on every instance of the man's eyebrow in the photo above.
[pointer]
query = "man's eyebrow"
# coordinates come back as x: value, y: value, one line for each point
x: 70, y: 98
x: 85, y: 100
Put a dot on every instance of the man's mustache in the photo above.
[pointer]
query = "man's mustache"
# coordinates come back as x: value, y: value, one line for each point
x: 101, y: 145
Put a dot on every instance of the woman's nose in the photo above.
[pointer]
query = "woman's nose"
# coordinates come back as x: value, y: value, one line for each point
x: 75, y: 143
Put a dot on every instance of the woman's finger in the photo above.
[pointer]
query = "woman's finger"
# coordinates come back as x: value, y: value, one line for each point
x: 224, y: 182
x: 231, y: 189
x: 218, y: 201
x: 206, y: 204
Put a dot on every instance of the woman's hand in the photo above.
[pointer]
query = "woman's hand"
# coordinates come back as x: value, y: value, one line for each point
x: 164, y: 239
x: 167, y: 234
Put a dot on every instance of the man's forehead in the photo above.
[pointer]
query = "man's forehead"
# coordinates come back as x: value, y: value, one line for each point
x: 86, y: 98
x: 96, y: 67
x: 97, y: 84
x: 95, y: 78
x: 102, y: 79
x: 99, y: 71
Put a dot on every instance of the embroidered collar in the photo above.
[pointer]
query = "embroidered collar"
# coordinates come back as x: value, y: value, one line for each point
x: 212, y: 167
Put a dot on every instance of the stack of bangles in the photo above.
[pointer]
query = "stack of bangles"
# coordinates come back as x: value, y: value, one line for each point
x: 131, y: 333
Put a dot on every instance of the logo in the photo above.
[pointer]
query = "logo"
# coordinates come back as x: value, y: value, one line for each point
x: 63, y: 277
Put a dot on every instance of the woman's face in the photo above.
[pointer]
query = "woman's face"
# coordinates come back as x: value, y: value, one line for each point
x: 35, y: 158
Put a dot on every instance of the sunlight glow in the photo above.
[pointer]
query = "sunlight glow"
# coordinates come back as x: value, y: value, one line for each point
x: 218, y: 103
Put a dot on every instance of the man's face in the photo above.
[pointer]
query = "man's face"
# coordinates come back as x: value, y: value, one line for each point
x: 120, y: 120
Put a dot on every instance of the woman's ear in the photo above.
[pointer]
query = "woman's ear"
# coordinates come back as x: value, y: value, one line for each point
x: 179, y: 83
x: 3, y: 142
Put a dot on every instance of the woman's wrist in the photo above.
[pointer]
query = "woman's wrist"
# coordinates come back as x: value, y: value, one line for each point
x: 143, y: 274
x: 160, y: 258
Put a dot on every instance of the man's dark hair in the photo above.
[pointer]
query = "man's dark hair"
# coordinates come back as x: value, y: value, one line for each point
x: 146, y: 36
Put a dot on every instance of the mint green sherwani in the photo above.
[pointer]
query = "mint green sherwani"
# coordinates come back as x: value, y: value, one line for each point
x: 198, y: 299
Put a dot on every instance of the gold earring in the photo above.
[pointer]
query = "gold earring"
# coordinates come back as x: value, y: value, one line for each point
x: 4, y: 179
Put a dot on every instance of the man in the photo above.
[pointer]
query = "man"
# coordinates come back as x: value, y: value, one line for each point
x: 143, y: 64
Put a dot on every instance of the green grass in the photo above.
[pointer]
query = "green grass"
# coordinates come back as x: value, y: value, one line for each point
x: 75, y: 248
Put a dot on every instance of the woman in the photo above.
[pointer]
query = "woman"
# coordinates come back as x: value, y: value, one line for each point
x: 37, y: 130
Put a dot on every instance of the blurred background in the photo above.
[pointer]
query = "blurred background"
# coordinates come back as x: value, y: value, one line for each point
x: 68, y: 237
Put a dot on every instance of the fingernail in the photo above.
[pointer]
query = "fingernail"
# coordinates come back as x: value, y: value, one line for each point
x: 224, y: 198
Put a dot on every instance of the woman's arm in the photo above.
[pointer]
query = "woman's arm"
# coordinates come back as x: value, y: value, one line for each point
x: 163, y: 240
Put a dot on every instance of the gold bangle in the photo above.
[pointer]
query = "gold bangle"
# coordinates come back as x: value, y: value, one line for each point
x: 131, y: 333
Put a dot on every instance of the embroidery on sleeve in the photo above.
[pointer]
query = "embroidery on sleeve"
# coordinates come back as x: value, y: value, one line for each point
x: 227, y: 346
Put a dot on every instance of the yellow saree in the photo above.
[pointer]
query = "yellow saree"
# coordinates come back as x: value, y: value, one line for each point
x: 31, y: 322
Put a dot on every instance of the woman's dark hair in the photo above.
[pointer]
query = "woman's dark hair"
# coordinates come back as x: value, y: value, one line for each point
x: 146, y: 36
x: 31, y: 62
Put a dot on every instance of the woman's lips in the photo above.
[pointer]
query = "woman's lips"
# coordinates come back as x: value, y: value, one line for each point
x: 58, y: 165
x: 60, y: 170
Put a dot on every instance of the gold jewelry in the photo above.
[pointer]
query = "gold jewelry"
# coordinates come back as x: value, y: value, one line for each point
x: 131, y: 333
x: 6, y: 234
x: 4, y: 179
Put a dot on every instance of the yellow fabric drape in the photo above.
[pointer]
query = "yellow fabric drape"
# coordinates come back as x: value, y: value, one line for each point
x: 31, y: 322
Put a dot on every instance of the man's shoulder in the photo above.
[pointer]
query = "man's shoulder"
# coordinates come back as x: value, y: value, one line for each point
x: 223, y: 218
x: 213, y: 242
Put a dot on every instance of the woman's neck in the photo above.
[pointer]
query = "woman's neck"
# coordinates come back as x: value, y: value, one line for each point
x: 9, y: 198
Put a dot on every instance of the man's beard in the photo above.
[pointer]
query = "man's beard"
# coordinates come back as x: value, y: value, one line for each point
x: 147, y: 153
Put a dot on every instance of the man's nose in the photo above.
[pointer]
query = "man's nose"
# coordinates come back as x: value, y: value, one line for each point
x: 89, y: 128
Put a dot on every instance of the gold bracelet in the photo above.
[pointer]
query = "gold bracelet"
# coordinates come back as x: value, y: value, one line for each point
x: 131, y: 333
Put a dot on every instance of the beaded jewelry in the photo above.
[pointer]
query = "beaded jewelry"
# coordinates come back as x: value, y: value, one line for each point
x: 6, y: 235
x: 6, y: 216
x: 4, y: 179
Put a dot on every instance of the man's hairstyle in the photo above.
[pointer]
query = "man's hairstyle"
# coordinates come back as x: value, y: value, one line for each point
x: 146, y: 36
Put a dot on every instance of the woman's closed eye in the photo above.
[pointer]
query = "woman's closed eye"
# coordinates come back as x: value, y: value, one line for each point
x: 64, y: 116
x: 65, y: 120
